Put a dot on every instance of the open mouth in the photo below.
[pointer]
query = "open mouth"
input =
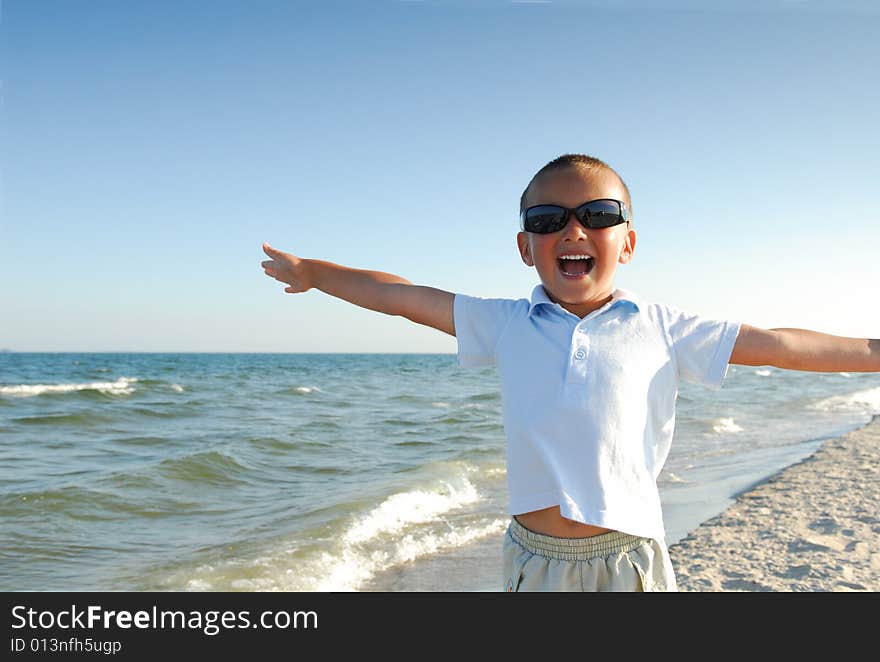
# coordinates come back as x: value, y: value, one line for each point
x: 576, y: 267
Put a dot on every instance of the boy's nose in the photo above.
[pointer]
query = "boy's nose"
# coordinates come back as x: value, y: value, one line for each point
x: 573, y: 225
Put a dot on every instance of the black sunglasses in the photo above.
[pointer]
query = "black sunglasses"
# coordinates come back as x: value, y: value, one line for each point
x: 603, y: 213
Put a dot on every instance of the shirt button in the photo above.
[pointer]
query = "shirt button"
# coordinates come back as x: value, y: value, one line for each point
x: 580, y: 354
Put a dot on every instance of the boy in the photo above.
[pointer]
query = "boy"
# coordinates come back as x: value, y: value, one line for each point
x: 589, y: 378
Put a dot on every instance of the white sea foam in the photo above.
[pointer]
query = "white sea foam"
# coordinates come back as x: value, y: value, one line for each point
x: 722, y: 425
x: 307, y: 389
x: 199, y: 584
x: 412, y: 547
x: 405, y: 526
x: 763, y: 373
x: 867, y: 402
x: 416, y: 506
x: 670, y: 477
x: 122, y: 386
x: 350, y: 569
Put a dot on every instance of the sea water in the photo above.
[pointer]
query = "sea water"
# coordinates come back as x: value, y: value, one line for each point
x: 314, y: 472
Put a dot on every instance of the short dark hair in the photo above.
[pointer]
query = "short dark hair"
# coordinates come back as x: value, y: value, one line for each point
x: 581, y: 161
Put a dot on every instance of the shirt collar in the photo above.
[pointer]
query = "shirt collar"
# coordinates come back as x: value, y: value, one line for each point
x: 539, y: 296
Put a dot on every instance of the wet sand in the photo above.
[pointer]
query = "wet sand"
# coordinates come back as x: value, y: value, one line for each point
x: 814, y: 526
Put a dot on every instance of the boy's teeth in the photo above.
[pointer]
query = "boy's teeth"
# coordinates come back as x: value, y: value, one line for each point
x: 586, y: 264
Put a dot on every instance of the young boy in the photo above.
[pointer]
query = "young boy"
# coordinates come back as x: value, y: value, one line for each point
x: 589, y: 378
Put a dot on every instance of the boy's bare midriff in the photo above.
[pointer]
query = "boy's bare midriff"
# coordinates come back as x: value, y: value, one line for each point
x: 550, y: 521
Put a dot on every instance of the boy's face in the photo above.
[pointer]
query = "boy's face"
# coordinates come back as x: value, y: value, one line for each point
x: 607, y: 247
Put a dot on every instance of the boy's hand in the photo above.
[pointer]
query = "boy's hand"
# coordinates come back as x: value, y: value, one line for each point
x: 376, y: 290
x: 288, y: 269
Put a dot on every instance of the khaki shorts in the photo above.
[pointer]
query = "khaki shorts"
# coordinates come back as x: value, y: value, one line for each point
x: 613, y: 561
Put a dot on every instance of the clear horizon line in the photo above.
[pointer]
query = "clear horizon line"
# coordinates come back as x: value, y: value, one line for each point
x: 122, y: 351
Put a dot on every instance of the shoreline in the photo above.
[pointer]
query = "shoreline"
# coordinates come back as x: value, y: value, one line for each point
x: 812, y: 526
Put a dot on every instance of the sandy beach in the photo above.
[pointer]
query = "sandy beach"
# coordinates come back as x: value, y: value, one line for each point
x: 814, y: 526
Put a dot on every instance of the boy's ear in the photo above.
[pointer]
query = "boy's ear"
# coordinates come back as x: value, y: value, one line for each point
x: 525, y: 248
x: 629, y: 247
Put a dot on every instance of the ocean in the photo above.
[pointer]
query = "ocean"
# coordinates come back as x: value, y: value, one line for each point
x: 326, y: 472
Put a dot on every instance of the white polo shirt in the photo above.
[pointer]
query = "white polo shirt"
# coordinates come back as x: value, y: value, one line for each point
x: 589, y: 404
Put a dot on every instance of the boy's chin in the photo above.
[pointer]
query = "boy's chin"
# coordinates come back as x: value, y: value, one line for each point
x: 576, y: 291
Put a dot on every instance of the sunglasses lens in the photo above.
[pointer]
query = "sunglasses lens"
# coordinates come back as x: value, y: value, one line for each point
x: 601, y: 213
x: 544, y: 219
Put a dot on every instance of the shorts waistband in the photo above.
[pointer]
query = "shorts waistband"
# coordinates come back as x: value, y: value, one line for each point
x: 574, y: 549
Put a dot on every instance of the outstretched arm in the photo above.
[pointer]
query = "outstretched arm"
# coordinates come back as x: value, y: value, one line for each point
x: 376, y: 290
x: 799, y: 349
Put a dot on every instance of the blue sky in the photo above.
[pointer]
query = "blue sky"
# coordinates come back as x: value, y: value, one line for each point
x: 147, y: 149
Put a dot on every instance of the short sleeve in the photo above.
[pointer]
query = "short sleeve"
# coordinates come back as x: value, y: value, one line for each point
x: 479, y: 324
x: 701, y: 346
